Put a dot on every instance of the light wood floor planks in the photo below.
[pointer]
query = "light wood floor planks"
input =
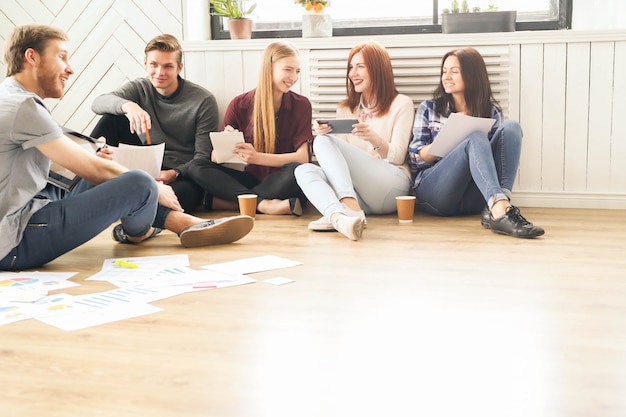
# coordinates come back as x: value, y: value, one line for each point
x: 436, y: 318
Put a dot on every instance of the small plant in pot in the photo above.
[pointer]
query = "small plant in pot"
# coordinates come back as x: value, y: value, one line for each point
x: 460, y: 19
x: 237, y: 12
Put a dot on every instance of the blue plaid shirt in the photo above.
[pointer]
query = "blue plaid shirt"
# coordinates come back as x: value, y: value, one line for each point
x: 426, y: 126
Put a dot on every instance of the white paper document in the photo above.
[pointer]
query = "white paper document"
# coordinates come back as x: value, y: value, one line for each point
x: 458, y: 127
x: 223, y: 147
x: 148, y: 158
x: 251, y: 265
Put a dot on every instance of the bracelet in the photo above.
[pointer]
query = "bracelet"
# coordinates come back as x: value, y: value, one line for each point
x: 378, y: 148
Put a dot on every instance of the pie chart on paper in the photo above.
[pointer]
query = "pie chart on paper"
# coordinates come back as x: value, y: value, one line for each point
x: 15, y: 282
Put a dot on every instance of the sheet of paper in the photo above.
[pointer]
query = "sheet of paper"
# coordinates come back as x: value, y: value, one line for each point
x: 457, y: 128
x: 148, y: 158
x: 279, y: 281
x: 69, y: 312
x: 69, y: 321
x: 207, y: 279
x: 20, y: 282
x: 250, y: 265
x: 223, y: 147
x: 12, y: 312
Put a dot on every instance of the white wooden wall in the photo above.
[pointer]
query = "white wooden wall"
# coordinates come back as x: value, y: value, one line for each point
x: 107, y: 40
x: 566, y: 88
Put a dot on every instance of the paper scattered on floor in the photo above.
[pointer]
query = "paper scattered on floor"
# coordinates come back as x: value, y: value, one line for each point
x: 279, y: 281
x: 139, y: 281
x: 250, y: 265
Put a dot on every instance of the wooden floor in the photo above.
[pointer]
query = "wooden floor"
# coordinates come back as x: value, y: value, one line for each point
x: 436, y: 318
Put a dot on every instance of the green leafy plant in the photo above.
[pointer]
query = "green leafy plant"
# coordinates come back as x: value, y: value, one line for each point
x: 232, y: 9
x: 464, y: 8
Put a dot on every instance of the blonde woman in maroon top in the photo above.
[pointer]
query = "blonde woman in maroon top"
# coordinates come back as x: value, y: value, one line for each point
x: 276, y: 125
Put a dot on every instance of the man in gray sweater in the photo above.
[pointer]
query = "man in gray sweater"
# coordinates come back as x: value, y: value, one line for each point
x: 162, y: 107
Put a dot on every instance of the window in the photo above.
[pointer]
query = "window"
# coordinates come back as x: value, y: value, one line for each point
x: 282, y: 18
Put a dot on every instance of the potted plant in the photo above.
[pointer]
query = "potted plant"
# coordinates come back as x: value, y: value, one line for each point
x: 459, y: 19
x: 316, y: 22
x: 237, y: 12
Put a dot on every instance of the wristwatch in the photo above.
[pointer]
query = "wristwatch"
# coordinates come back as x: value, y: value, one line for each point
x: 177, y: 171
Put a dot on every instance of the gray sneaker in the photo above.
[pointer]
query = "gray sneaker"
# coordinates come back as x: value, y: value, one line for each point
x: 216, y: 232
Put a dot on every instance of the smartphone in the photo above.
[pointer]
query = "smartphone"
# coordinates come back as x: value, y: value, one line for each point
x: 339, y: 125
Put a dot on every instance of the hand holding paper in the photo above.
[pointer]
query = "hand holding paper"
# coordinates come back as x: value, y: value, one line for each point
x: 147, y: 158
x: 224, y: 144
x: 457, y: 128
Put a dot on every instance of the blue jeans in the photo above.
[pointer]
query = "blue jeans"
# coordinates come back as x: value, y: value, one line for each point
x: 73, y: 218
x: 347, y: 171
x: 474, y: 173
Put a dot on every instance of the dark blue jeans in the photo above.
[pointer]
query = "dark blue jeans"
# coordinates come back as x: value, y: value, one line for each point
x: 74, y: 218
x: 464, y: 180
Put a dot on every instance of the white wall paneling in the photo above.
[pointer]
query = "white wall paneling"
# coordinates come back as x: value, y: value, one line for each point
x: 107, y: 40
x: 562, y: 86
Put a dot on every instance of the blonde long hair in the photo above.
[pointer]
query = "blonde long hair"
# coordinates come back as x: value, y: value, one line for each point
x: 263, y: 114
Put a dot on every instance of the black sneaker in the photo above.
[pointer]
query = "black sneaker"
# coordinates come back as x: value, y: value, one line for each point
x: 513, y: 224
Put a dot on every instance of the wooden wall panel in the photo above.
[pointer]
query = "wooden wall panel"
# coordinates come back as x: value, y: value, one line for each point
x: 600, y: 116
x: 617, y: 162
x: 531, y: 116
x: 101, y: 33
x: 564, y: 87
x: 553, y: 149
x: 577, y: 119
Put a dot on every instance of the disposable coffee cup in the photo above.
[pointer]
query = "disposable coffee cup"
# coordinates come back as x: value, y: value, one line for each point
x: 406, y: 208
x: 247, y: 204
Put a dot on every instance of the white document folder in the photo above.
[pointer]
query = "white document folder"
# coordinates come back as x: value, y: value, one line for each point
x: 458, y: 127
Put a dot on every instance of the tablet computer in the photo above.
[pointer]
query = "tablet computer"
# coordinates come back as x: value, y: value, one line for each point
x: 63, y: 177
x: 339, y: 125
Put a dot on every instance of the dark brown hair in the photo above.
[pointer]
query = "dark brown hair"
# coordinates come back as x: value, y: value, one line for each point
x: 478, y: 95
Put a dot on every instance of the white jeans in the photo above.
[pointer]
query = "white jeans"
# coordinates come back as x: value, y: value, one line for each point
x: 347, y: 171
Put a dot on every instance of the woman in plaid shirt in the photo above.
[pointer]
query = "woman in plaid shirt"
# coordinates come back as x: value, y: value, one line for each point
x: 478, y: 174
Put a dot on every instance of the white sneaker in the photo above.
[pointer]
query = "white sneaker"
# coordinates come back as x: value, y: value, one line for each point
x: 350, y: 227
x: 357, y: 213
x: 321, y: 225
x: 324, y: 225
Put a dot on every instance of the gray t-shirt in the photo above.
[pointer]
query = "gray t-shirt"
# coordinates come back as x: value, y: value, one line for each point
x: 25, y: 122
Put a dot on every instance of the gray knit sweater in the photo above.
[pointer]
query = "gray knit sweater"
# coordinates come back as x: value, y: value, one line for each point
x: 182, y: 120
